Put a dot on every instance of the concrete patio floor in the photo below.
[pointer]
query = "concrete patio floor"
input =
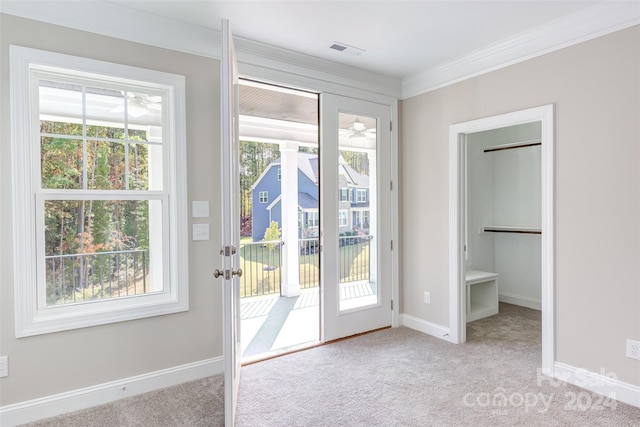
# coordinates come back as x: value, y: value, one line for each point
x: 272, y: 324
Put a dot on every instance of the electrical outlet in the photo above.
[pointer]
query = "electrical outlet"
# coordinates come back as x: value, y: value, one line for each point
x: 4, y: 366
x: 633, y: 349
x: 427, y: 297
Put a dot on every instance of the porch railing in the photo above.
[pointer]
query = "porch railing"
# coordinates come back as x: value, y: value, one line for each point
x: 261, y: 264
x: 261, y: 267
x: 93, y: 276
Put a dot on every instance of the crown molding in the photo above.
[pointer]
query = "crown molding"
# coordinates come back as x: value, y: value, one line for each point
x: 255, y: 59
x: 589, y: 23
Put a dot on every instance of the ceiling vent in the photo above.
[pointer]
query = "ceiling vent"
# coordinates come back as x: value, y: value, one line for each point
x: 345, y: 48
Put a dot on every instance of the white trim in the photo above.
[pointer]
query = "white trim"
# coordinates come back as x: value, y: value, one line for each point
x: 603, y: 383
x: 457, y: 303
x: 75, y: 400
x: 589, y: 23
x: 264, y: 193
x: 520, y: 300
x: 275, y: 202
x: 425, y: 327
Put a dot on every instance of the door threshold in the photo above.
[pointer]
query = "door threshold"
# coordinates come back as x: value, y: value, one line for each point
x: 302, y: 347
x: 277, y: 353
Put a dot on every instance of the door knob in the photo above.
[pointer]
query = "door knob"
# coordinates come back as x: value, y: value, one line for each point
x: 237, y: 272
x: 218, y: 273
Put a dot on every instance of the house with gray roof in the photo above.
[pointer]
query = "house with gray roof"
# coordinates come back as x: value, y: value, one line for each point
x: 267, y: 207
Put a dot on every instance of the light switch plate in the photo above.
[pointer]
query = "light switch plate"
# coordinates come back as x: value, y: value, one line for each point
x: 200, y: 209
x: 200, y: 232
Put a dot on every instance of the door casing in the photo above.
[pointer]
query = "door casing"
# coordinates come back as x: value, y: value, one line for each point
x: 457, y: 209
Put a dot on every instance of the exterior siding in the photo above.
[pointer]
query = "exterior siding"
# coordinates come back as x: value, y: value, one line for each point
x: 259, y: 212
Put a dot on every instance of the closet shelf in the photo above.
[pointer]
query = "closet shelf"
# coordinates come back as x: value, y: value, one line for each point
x: 511, y: 146
x: 503, y: 229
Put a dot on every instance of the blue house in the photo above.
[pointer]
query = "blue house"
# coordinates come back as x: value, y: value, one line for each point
x: 266, y: 195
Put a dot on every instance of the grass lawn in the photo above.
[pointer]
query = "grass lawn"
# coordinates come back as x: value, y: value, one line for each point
x: 261, y: 267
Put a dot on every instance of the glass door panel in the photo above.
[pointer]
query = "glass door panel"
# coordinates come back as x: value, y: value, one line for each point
x: 357, y: 213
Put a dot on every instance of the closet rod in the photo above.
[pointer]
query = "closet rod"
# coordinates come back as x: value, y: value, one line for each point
x: 502, y: 230
x: 511, y: 147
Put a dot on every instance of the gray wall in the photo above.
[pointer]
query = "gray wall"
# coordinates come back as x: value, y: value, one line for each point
x: 53, y: 363
x: 596, y: 90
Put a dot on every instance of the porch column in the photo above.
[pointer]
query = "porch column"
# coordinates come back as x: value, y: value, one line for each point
x: 290, y: 274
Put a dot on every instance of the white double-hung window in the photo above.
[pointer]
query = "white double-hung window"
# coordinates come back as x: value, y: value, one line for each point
x: 99, y: 196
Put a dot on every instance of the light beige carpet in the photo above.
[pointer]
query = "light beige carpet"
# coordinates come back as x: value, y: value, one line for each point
x: 395, y: 377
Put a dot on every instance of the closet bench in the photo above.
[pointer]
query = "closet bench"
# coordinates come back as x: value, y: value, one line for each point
x: 482, y: 294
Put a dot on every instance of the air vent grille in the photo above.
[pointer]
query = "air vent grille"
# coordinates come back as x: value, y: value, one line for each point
x: 345, y: 48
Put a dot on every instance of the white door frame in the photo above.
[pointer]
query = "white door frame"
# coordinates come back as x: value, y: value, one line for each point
x: 457, y: 285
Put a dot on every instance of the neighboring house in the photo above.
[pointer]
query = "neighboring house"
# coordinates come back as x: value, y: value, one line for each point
x: 266, y: 201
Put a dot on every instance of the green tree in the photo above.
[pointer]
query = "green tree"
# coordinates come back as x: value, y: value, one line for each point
x: 272, y: 234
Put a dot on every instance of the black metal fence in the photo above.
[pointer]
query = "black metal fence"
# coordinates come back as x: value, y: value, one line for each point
x: 95, y: 276
x: 261, y: 264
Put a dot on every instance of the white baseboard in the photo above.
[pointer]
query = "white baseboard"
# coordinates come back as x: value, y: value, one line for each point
x: 75, y: 400
x: 600, y: 383
x: 425, y: 327
x: 520, y: 300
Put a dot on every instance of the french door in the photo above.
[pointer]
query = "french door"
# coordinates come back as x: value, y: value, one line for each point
x: 355, y: 219
x: 230, y: 224
x: 355, y: 216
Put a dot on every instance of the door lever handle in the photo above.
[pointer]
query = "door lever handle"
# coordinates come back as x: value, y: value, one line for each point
x: 217, y: 273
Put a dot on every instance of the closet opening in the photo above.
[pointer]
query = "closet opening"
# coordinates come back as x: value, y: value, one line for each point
x: 501, y: 232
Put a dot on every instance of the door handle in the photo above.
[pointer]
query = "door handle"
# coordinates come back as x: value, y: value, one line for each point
x: 217, y: 273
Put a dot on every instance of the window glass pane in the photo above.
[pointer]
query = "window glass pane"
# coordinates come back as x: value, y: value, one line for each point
x: 138, y: 167
x: 99, y: 249
x: 58, y: 103
x: 106, y: 167
x: 144, y: 107
x: 104, y: 105
x: 61, y: 163
x: 108, y: 132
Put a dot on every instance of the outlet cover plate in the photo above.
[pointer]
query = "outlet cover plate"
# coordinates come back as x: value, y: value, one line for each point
x: 4, y: 366
x: 633, y: 349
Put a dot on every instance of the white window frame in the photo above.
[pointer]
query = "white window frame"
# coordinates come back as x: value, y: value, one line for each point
x: 343, y: 214
x: 263, y: 197
x: 316, y: 219
x: 32, y: 318
x: 344, y: 191
x: 361, y: 192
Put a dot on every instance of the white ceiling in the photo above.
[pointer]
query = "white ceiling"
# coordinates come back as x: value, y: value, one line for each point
x: 411, y: 47
x: 400, y: 38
